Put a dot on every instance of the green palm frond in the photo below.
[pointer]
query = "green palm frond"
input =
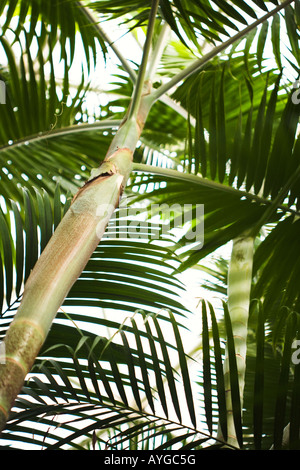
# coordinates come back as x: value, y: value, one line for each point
x: 58, y: 158
x: 116, y: 265
x: 272, y: 370
x: 246, y: 105
x: 36, y: 122
x: 115, y: 371
x: 59, y: 21
x: 111, y: 389
x: 272, y: 381
x: 115, y: 280
x: 124, y: 389
x: 280, y: 246
x: 96, y: 397
x: 227, y: 212
x: 254, y: 190
x: 188, y: 19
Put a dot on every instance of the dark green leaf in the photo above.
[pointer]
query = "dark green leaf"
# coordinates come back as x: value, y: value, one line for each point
x: 279, y: 421
x: 234, y: 378
x: 207, y: 384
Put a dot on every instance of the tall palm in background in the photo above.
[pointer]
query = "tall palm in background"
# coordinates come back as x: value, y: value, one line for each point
x: 206, y: 115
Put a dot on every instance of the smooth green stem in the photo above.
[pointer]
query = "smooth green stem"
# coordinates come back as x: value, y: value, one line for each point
x: 158, y: 51
x: 140, y: 82
x: 63, y: 260
x: 61, y: 132
x: 198, y: 64
x: 196, y: 179
x: 58, y: 267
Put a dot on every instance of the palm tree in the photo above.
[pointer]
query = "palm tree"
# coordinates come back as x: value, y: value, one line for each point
x: 94, y: 323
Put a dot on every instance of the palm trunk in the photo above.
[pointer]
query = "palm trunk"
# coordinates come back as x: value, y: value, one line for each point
x: 58, y: 267
x: 239, y: 287
x: 64, y: 258
x: 73, y: 243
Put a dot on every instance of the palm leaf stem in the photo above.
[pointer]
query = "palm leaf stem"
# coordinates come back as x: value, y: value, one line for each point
x: 195, y: 179
x: 199, y: 63
x: 156, y: 56
x: 36, y: 138
x: 151, y: 419
x: 158, y: 51
x: 166, y: 99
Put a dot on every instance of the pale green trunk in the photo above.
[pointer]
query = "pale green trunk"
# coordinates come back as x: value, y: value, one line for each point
x: 64, y: 258
x: 57, y: 269
x: 72, y: 244
x: 239, y: 288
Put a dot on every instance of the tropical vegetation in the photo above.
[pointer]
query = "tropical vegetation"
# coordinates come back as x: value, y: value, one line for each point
x: 118, y: 119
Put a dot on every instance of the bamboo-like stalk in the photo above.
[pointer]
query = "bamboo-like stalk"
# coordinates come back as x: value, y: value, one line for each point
x: 239, y: 288
x: 141, y: 78
x: 62, y: 262
x: 71, y: 246
x: 57, y: 269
